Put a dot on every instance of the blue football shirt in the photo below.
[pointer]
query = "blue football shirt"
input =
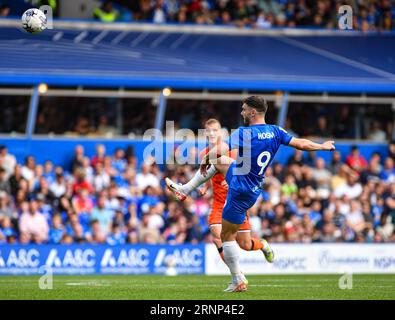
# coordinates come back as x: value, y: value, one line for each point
x: 257, y: 145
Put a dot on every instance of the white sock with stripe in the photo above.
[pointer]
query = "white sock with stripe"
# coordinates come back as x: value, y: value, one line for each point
x: 198, y: 179
x: 231, y: 257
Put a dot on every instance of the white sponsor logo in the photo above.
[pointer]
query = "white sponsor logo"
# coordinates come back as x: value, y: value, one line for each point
x: 78, y: 259
x: 126, y: 258
x: 181, y: 258
x: 21, y: 258
x: 325, y: 260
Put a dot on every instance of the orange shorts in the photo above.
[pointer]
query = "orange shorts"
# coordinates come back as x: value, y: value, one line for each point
x: 215, y: 218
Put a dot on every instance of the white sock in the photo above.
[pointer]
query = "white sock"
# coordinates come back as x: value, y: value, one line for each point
x: 231, y: 257
x: 198, y: 179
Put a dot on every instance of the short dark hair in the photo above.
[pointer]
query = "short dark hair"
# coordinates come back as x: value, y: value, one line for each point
x: 257, y: 102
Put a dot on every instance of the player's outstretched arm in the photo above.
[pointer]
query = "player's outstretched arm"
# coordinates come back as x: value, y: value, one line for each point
x: 308, y: 145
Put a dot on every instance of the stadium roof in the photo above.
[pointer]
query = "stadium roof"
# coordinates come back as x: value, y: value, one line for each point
x: 141, y: 56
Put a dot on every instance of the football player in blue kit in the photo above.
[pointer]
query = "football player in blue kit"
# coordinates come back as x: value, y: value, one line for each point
x: 257, y: 143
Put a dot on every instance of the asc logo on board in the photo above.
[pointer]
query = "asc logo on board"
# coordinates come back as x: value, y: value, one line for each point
x: 77, y: 258
x: 131, y: 258
x: 20, y: 258
x: 179, y: 257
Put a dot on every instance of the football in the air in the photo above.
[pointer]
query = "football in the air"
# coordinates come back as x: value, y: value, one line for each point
x: 34, y: 21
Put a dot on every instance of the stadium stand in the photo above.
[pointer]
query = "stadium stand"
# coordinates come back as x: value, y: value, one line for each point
x: 186, y: 60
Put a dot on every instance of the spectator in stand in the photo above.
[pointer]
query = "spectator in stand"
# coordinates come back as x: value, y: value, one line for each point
x: 262, y: 21
x: 33, y: 224
x: 28, y: 169
x: 356, y: 161
x: 391, y: 150
x: 57, y: 230
x: 322, y: 128
x: 117, y: 235
x: 297, y: 158
x: 322, y: 176
x: 99, y: 156
x: 82, y: 203
x: 388, y: 173
x: 118, y: 161
x: 289, y: 185
x: 106, y: 13
x: 145, y: 178
x: 4, y: 11
x: 354, y: 217
x: 78, y: 158
x: 159, y: 12
x: 146, y: 233
x: 7, y: 161
x: 49, y: 173
x: 5, y: 185
x: 336, y: 162
x: 59, y: 186
x: 81, y: 183
x: 7, y: 231
x: 101, y: 178
x: 352, y: 189
x: 6, y: 207
x: 103, y: 215
x: 97, y: 234
x: 372, y: 172
x: 83, y: 127
x: 376, y: 133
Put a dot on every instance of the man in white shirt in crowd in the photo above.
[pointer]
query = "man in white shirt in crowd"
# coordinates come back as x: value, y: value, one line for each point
x: 33, y: 225
x: 145, y: 178
x: 7, y: 160
x: 352, y: 189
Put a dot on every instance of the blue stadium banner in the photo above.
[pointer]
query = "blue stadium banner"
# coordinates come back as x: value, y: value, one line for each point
x: 102, y: 259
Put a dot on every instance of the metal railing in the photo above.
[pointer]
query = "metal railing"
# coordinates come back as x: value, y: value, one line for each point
x: 280, y: 99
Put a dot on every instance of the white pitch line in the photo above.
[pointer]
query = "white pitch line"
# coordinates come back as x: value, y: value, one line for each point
x: 94, y: 284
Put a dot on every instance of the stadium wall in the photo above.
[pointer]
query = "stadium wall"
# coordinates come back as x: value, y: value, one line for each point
x: 61, y: 151
x: 193, y: 259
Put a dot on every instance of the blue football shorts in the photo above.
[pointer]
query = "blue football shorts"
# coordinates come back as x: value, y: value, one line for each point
x: 239, y: 199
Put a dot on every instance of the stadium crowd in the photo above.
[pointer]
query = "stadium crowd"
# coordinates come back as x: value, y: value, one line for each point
x: 368, y: 15
x: 110, y: 198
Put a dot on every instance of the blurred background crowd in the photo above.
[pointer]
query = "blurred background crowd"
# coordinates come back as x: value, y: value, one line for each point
x: 110, y: 198
x: 367, y: 14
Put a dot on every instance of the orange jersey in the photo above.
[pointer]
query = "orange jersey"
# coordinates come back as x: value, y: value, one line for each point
x: 220, y: 187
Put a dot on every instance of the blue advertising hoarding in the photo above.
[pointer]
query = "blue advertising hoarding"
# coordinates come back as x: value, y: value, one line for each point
x: 102, y: 259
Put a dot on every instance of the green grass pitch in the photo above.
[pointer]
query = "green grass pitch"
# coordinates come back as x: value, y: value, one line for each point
x: 192, y: 287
